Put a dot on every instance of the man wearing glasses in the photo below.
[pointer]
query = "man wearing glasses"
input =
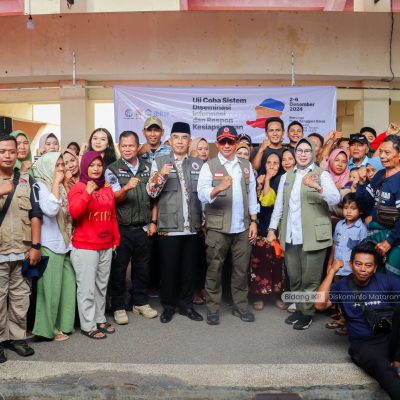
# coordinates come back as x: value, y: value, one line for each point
x: 173, y: 182
x: 227, y: 187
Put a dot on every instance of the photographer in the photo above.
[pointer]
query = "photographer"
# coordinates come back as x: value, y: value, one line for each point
x: 369, y: 301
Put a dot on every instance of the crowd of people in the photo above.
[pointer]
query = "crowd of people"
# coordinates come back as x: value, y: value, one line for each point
x: 308, y: 216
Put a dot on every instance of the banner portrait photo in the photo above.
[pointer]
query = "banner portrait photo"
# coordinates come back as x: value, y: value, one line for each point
x: 208, y: 108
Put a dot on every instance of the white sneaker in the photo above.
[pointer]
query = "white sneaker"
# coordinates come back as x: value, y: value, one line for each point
x: 120, y: 317
x: 145, y: 310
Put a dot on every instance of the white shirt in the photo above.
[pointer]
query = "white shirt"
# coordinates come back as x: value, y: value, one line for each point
x: 294, y: 230
x: 205, y: 187
x: 51, y: 236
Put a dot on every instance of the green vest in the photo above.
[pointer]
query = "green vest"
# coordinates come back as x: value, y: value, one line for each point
x: 136, y: 208
x: 169, y: 204
x: 315, y: 217
x: 219, y: 212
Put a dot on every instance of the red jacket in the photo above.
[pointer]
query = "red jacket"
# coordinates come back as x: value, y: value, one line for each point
x: 96, y: 226
x: 378, y: 140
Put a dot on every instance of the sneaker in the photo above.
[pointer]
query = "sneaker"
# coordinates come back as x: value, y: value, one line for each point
x: 304, y: 322
x: 21, y: 348
x: 145, y: 310
x: 120, y: 317
x: 3, y: 357
x: 292, y: 319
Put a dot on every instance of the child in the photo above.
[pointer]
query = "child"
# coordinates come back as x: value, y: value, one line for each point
x: 353, y: 179
x: 348, y: 233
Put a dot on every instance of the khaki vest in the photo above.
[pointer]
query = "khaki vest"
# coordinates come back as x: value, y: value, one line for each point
x: 170, y: 207
x: 15, y: 231
x: 219, y: 212
x: 136, y: 208
x: 315, y: 216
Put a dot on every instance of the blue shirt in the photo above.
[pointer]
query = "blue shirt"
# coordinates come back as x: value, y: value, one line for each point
x: 345, y: 238
x: 162, y: 150
x: 376, y: 293
x: 352, y: 165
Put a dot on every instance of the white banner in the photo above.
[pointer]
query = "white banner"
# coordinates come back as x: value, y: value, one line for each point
x: 208, y: 108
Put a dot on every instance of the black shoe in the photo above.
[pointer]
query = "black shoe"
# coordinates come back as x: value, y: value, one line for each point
x: 3, y: 357
x: 213, y: 318
x: 292, y: 319
x: 166, y: 316
x: 304, y: 322
x: 20, y: 347
x: 245, y: 315
x: 191, y: 313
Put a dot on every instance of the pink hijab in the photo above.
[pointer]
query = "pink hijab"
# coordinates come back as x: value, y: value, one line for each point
x: 343, y: 178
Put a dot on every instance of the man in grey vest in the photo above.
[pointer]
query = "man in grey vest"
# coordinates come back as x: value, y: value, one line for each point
x: 173, y: 183
x: 227, y: 187
x: 305, y: 230
x: 128, y: 177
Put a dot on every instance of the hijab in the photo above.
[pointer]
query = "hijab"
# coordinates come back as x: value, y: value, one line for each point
x: 43, y: 171
x: 18, y: 164
x: 87, y: 159
x: 376, y: 163
x: 311, y: 144
x: 73, y: 154
x: 43, y: 139
x: 195, y: 142
x: 342, y: 178
x: 274, y: 182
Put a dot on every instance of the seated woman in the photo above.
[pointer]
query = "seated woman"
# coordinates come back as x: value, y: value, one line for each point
x: 266, y: 276
x: 96, y: 236
x: 380, y: 198
x: 56, y: 289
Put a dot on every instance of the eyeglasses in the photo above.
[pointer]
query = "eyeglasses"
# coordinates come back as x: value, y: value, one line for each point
x: 307, y: 152
x: 226, y: 141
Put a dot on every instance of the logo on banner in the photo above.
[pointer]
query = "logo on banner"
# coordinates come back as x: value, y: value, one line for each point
x: 128, y: 113
x: 266, y: 109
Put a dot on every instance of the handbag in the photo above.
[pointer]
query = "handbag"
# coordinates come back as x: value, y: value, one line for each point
x: 34, y: 271
x: 380, y: 319
x: 386, y: 215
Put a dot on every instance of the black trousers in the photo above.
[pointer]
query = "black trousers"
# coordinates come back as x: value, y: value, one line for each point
x: 179, y: 263
x: 375, y: 354
x: 135, y: 247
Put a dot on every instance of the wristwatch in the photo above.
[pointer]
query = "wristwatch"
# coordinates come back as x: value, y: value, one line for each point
x: 254, y: 220
x: 36, y: 246
x: 153, y: 221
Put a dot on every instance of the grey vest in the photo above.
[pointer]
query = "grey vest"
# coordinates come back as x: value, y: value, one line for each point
x: 219, y: 212
x: 315, y: 217
x: 136, y: 208
x: 170, y: 207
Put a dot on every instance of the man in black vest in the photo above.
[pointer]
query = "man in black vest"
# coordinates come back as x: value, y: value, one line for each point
x: 173, y: 182
x: 128, y: 177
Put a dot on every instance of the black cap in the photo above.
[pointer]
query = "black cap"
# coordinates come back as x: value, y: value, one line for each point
x: 180, y: 127
x: 357, y: 137
x: 244, y: 136
x: 368, y: 129
x: 227, y: 132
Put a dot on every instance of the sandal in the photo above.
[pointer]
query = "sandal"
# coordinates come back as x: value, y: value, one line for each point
x: 334, y: 325
x: 106, y: 327
x: 60, y: 337
x: 335, y: 315
x: 95, y: 334
x: 342, y: 331
x: 258, y: 305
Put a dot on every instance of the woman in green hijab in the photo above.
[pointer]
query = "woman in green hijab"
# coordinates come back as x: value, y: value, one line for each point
x: 24, y: 155
x: 56, y: 289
